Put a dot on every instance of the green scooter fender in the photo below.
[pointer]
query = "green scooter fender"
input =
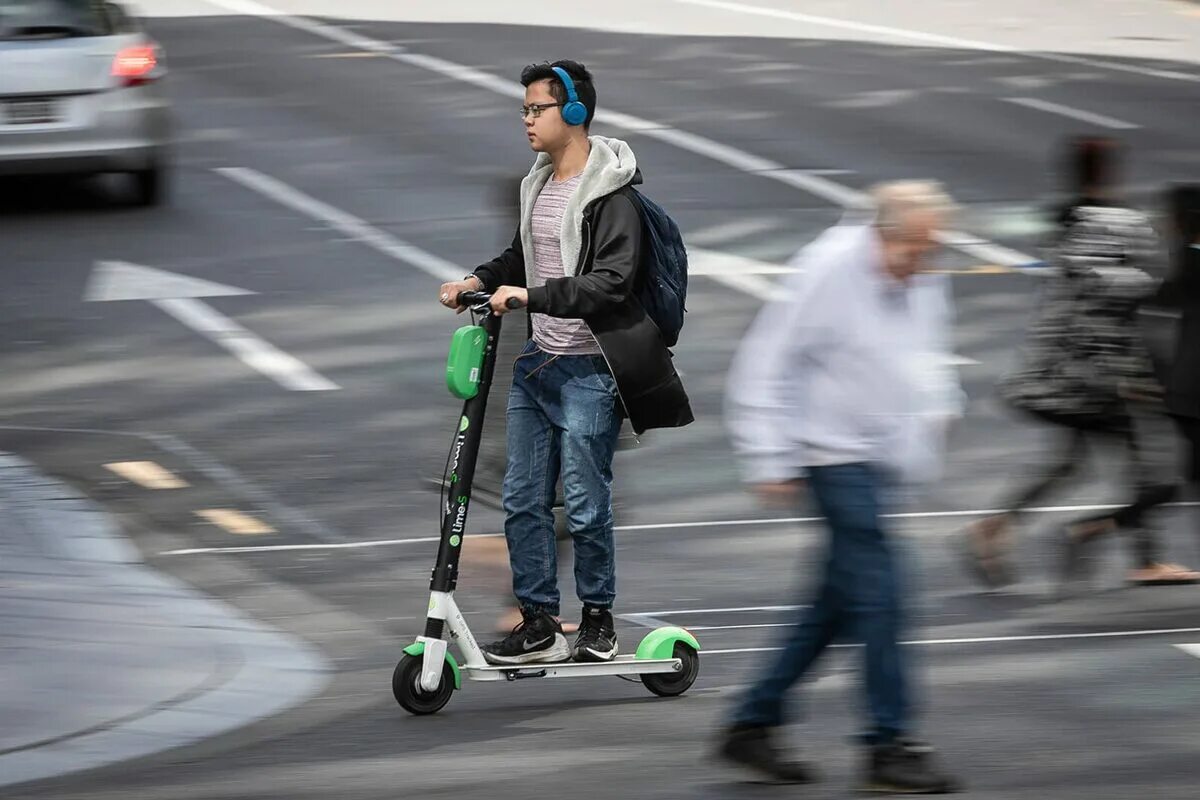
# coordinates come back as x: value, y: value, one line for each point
x: 417, y: 650
x: 660, y: 643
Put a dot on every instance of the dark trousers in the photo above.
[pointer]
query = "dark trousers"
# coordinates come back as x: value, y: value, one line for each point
x: 859, y: 597
x: 1071, y: 450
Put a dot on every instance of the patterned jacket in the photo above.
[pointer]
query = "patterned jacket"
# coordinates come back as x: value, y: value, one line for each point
x: 1084, y: 346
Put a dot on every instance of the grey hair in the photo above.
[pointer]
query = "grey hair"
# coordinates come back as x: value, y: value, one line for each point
x: 894, y: 201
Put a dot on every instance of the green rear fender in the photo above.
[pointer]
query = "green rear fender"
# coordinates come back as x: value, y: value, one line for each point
x: 660, y: 643
x: 417, y: 650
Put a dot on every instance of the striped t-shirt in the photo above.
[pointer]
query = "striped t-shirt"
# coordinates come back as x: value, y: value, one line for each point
x: 555, y: 335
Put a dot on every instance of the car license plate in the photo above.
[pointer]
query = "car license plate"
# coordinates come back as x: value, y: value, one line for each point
x: 31, y: 111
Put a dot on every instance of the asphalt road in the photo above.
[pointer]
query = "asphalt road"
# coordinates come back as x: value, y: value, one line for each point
x: 332, y: 182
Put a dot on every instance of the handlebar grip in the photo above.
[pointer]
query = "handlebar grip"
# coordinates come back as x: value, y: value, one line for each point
x: 512, y: 302
x: 473, y: 298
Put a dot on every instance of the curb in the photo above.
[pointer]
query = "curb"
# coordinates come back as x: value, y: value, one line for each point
x: 220, y: 670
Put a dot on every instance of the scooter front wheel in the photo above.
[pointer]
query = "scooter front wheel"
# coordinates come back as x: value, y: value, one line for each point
x: 673, y: 684
x: 406, y: 687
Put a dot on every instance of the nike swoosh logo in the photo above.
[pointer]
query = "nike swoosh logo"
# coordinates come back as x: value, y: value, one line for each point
x: 527, y: 646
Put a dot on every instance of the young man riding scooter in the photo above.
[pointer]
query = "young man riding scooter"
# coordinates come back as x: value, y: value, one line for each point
x: 593, y: 357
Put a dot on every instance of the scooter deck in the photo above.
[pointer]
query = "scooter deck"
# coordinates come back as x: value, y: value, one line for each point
x: 621, y: 665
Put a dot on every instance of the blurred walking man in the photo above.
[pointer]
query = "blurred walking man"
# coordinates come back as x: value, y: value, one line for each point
x: 842, y: 386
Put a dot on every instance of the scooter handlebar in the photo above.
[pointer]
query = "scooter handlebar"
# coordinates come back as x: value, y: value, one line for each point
x: 483, y: 298
x: 474, y: 298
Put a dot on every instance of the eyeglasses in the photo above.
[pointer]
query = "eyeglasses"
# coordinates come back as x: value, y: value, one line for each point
x: 536, y: 109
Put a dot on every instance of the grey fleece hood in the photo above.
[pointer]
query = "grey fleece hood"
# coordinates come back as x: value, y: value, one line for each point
x: 610, y: 165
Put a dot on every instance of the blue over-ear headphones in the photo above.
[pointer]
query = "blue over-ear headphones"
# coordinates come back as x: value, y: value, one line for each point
x: 574, y: 112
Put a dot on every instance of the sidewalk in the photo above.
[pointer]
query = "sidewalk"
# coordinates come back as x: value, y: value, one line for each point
x: 105, y: 659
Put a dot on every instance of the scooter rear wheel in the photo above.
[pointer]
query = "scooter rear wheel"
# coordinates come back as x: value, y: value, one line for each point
x: 406, y: 687
x: 673, y: 684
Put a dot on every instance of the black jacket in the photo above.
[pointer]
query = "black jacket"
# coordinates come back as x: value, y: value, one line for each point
x: 602, y: 295
x: 1182, y: 291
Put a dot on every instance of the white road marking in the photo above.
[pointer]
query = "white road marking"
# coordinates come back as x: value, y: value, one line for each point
x: 729, y: 231
x: 984, y: 640
x: 1190, y: 649
x: 740, y: 627
x: 1072, y: 113
x: 713, y: 263
x: 804, y: 180
x: 936, y: 39
x: 880, y: 98
x: 177, y: 295
x: 735, y: 610
x: 344, y: 222
x: 287, y: 370
x: 753, y: 285
x: 850, y: 25
x: 989, y: 252
x: 661, y: 526
x: 280, y: 548
x: 112, y: 281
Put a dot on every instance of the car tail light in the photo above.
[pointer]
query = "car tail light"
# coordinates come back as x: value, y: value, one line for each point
x: 136, y: 65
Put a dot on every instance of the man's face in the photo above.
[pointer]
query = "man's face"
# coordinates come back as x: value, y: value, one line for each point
x: 546, y: 131
x: 909, y: 248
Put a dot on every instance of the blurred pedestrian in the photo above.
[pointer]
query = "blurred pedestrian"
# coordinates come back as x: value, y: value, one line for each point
x: 1181, y: 290
x: 1086, y: 372
x: 835, y: 388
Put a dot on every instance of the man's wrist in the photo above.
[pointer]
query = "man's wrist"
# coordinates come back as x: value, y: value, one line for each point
x: 475, y: 278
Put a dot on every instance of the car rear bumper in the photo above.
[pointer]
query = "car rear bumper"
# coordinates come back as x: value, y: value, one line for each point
x: 81, y: 158
x: 118, y: 131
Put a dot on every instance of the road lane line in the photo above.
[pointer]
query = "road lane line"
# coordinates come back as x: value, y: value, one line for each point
x: 1042, y: 637
x: 1190, y: 649
x: 936, y: 39
x: 749, y: 163
x: 235, y: 521
x: 344, y: 222
x: 850, y: 25
x: 661, y: 526
x: 1072, y: 113
x: 147, y: 474
x: 252, y: 350
x: 735, y: 610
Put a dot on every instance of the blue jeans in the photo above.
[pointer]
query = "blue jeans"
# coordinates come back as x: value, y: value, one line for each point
x: 563, y: 421
x: 859, y: 597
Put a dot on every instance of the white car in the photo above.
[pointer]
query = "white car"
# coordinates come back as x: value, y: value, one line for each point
x: 81, y: 93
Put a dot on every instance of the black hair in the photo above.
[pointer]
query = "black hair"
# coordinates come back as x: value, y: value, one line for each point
x: 1093, y: 162
x: 585, y: 87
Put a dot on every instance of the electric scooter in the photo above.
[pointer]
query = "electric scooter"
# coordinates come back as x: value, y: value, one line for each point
x: 667, y: 660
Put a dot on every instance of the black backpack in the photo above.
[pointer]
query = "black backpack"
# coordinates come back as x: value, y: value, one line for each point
x: 662, y: 285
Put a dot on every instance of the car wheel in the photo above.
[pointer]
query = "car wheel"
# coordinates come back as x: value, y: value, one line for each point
x: 149, y: 185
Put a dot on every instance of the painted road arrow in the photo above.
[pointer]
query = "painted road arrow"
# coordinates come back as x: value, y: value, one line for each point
x: 177, y: 295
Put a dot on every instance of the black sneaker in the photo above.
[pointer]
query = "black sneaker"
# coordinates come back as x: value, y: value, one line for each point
x: 752, y: 750
x: 905, y: 766
x: 597, y: 636
x: 538, y: 638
